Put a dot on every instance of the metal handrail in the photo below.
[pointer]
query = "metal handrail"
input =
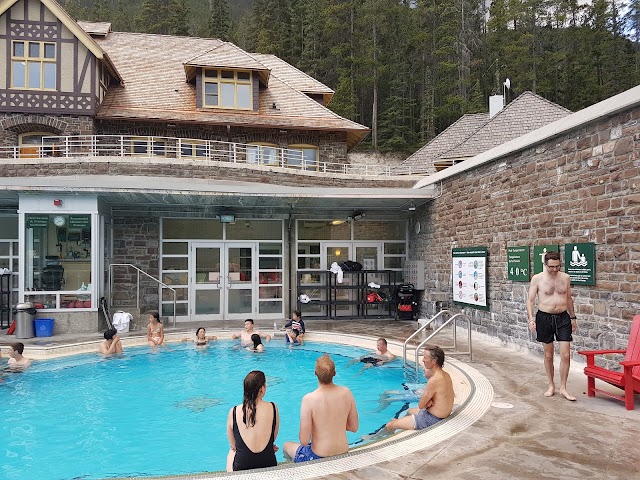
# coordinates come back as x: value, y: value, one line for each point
x: 139, y: 271
x: 453, y: 320
x: 406, y: 342
x: 191, y: 149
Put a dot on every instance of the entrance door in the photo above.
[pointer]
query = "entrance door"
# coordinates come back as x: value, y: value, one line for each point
x: 207, y: 280
x: 241, y: 281
x: 222, y: 281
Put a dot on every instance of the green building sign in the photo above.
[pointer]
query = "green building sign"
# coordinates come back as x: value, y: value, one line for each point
x: 79, y: 221
x: 538, y: 255
x: 37, y: 221
x: 518, y: 264
x: 580, y: 263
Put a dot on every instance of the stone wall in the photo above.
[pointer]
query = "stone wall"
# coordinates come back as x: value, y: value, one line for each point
x: 191, y: 168
x: 332, y: 146
x: 582, y: 187
x: 136, y: 241
x: 14, y: 124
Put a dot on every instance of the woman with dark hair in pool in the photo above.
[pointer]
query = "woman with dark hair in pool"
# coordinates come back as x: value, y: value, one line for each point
x: 201, y: 339
x: 252, y: 427
x: 257, y: 344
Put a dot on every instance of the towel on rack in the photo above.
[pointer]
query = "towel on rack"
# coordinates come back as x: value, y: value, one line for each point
x: 335, y: 268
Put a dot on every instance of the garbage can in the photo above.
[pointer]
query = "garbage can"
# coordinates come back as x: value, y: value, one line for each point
x: 25, y: 314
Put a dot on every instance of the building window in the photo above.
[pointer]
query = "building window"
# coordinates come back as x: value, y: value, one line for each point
x: 148, y: 146
x: 37, y: 145
x: 302, y: 156
x: 58, y: 260
x: 262, y: 154
x: 33, y: 65
x: 227, y: 89
x: 193, y: 148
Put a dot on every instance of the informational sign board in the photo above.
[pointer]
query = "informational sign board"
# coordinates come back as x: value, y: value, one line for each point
x: 518, y: 263
x: 37, y: 221
x: 538, y: 256
x: 79, y: 221
x: 469, y: 275
x: 580, y: 263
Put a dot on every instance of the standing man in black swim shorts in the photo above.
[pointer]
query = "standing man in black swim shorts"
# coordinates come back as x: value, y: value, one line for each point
x: 555, y: 318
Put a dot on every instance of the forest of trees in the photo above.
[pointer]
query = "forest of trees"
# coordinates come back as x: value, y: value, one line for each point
x: 410, y: 68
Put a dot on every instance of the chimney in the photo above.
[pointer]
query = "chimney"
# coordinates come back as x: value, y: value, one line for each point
x: 496, y: 103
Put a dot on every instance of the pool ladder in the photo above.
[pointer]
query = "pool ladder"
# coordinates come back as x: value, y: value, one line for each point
x: 453, y: 321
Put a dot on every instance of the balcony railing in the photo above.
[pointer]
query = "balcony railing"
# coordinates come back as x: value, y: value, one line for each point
x: 187, y: 148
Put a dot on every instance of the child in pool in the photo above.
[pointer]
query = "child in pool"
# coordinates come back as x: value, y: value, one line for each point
x: 155, y: 331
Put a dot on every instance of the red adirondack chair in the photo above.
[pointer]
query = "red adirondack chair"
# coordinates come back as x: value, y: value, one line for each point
x: 628, y: 380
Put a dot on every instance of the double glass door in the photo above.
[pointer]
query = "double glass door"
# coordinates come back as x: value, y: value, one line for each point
x: 223, y: 280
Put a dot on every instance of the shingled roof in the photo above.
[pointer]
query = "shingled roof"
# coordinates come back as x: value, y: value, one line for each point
x: 101, y: 29
x: 474, y: 134
x: 152, y: 67
x: 227, y: 55
x: 451, y: 137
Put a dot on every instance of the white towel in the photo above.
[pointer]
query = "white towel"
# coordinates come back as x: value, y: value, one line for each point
x: 335, y: 268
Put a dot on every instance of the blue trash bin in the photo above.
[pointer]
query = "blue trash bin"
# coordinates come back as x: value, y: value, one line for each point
x: 43, y: 327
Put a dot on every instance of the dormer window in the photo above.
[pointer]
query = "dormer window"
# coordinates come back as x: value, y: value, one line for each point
x: 227, y: 89
x: 33, y: 65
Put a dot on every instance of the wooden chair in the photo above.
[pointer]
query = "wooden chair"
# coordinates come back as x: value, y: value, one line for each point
x: 627, y: 380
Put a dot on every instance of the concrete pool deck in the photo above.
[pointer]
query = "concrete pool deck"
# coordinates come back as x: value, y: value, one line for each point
x: 592, y: 438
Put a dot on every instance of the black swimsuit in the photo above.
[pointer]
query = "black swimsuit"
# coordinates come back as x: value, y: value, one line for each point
x: 245, y: 459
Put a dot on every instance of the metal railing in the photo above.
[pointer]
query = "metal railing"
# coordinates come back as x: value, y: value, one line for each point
x: 139, y: 271
x: 298, y: 159
x: 453, y: 320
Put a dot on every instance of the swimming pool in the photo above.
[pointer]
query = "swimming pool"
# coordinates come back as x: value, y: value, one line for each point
x: 156, y: 414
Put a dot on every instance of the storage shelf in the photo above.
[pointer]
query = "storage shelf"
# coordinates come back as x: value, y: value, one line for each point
x: 356, y: 289
x: 5, y: 300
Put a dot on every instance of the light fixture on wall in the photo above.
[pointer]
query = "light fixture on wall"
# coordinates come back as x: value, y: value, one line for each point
x: 337, y: 222
x: 412, y: 206
x: 357, y: 215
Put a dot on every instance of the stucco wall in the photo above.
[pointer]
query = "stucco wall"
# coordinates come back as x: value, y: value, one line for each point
x: 582, y: 187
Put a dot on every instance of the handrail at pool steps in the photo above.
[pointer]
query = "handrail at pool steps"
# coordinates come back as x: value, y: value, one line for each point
x: 452, y: 320
x: 140, y: 271
x: 423, y: 327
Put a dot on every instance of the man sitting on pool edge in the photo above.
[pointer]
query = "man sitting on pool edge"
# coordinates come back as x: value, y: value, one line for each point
x: 436, y: 403
x: 325, y: 416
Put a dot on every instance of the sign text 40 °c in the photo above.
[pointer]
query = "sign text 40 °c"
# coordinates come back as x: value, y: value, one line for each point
x: 518, y: 263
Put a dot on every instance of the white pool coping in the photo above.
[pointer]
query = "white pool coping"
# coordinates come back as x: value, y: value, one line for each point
x: 473, y: 391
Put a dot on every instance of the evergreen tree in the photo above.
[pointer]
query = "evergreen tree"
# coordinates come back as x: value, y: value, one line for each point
x: 179, y: 18
x: 219, y: 21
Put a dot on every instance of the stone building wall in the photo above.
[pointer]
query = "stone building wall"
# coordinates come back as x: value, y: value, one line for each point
x: 191, y: 168
x: 332, y: 146
x: 582, y: 187
x: 12, y: 125
x: 136, y: 241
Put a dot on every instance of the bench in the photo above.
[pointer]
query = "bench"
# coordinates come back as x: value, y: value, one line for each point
x: 628, y: 379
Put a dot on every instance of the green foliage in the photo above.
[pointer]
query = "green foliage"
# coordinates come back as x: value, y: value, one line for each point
x: 409, y: 68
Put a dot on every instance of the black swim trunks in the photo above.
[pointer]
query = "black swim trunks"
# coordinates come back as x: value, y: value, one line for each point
x: 372, y: 360
x: 549, y: 325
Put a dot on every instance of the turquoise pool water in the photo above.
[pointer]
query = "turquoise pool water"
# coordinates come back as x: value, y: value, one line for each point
x: 162, y: 413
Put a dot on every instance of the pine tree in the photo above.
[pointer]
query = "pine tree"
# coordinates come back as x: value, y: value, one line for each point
x: 179, y: 18
x: 219, y: 21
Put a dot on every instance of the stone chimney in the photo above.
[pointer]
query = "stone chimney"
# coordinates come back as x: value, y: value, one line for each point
x: 496, y: 103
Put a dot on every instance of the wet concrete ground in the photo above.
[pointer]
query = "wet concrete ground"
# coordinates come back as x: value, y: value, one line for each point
x: 538, y: 438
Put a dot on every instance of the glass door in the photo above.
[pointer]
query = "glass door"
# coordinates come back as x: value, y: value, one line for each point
x: 241, y: 280
x: 207, y: 280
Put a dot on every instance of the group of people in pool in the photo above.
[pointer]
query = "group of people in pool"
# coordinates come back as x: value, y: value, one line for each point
x: 249, y: 339
x: 326, y: 415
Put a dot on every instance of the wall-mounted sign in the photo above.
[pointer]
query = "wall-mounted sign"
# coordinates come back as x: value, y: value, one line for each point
x: 469, y: 277
x: 37, y: 221
x: 79, y: 221
x: 580, y: 263
x: 518, y: 264
x: 538, y: 255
